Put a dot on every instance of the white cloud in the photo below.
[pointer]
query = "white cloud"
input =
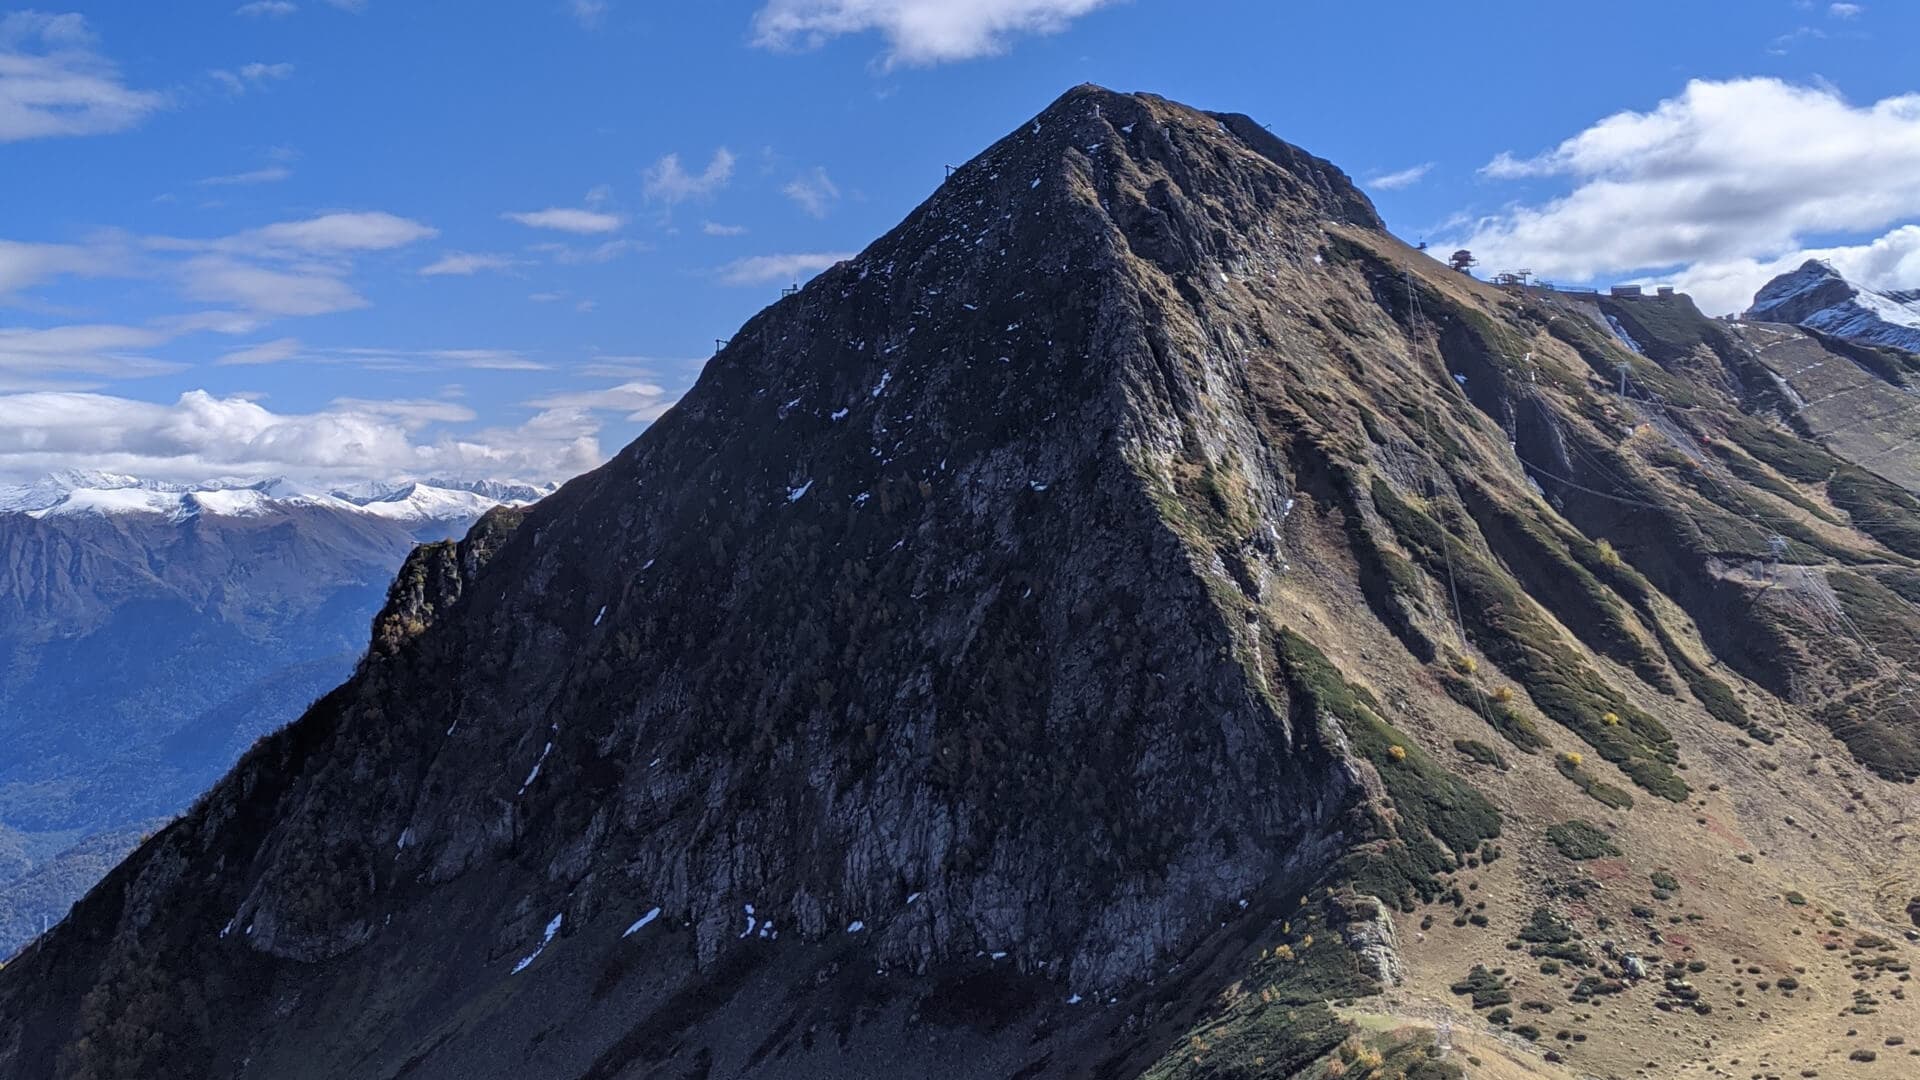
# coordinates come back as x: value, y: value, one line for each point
x: 1726, y: 176
x: 302, y: 290
x: 917, y: 31
x: 414, y: 413
x: 1891, y: 261
x: 669, y: 182
x: 567, y: 219
x: 271, y: 9
x: 251, y: 75
x: 1845, y: 11
x: 270, y: 174
x: 765, y: 269
x: 355, y: 6
x: 638, y: 401
x: 629, y: 368
x: 588, y: 13
x: 267, y: 352
x: 488, y: 359
x: 604, y: 252
x: 286, y: 268
x: 713, y: 228
x: 465, y: 263
x: 53, y: 83
x: 23, y: 265
x: 1404, y: 178
x: 28, y: 356
x: 813, y: 191
x: 201, y: 435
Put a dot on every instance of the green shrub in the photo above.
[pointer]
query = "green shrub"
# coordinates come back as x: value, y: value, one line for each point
x: 1580, y: 840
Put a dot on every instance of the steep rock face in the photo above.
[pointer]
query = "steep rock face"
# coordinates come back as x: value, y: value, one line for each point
x: 1051, y: 643
x: 1819, y: 297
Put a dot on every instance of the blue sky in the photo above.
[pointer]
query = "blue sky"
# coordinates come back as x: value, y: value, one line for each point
x: 348, y: 238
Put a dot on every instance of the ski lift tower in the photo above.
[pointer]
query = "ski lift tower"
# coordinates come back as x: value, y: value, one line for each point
x: 1462, y: 261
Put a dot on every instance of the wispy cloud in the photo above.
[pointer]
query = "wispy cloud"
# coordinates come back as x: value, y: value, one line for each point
x: 250, y: 76
x: 54, y: 83
x: 638, y: 401
x: 270, y: 174
x: 289, y: 267
x: 568, y: 219
x: 604, y: 252
x: 1404, y: 178
x: 1846, y: 11
x: 267, y: 352
x: 267, y: 9
x: 24, y: 265
x: 588, y: 13
x: 765, y: 269
x: 918, y: 32
x: 714, y: 228
x: 813, y: 191
x: 667, y: 181
x: 117, y: 352
x: 465, y: 263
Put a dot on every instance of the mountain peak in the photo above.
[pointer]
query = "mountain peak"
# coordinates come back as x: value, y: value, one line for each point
x: 1817, y: 296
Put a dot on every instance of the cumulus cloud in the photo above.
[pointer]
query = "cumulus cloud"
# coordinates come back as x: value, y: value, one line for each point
x: 918, y: 32
x: 465, y: 263
x: 669, y: 182
x: 53, y: 82
x: 201, y: 435
x: 766, y: 269
x: 1403, y: 178
x: 1715, y: 184
x: 568, y: 219
x: 813, y: 191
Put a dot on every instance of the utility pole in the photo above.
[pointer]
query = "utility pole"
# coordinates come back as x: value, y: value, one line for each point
x: 1623, y: 368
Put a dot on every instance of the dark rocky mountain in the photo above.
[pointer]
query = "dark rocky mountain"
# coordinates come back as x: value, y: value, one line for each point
x: 149, y: 633
x: 1819, y: 297
x: 1138, y: 618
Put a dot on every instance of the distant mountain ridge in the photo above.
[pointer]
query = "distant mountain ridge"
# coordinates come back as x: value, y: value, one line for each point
x: 151, y: 630
x: 1817, y: 296
x: 412, y: 501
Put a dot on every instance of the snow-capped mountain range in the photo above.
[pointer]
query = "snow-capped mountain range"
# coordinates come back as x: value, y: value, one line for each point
x: 1819, y: 297
x: 409, y: 503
